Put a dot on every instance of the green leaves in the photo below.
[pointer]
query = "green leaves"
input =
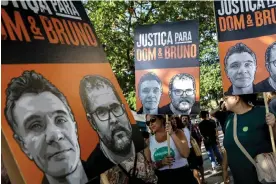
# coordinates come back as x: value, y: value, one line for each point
x: 115, y: 23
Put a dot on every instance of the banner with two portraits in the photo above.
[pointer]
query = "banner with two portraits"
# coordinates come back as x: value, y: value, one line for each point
x: 247, y: 45
x: 167, y: 68
x: 64, y: 117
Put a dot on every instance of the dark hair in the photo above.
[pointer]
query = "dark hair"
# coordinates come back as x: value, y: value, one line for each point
x: 29, y: 82
x: 249, y: 98
x: 179, y: 123
x: 268, y: 52
x: 204, y: 114
x: 149, y: 77
x: 189, y: 119
x: 238, y: 48
x: 160, y: 117
x: 94, y: 82
x: 182, y: 76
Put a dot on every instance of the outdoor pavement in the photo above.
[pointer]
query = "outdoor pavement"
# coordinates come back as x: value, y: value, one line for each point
x: 213, y: 178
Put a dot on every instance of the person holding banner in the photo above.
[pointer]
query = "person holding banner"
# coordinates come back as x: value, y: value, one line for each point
x: 182, y: 91
x: 149, y: 92
x: 269, y: 84
x: 253, y: 133
x: 173, y: 168
x: 44, y: 127
x: 240, y: 65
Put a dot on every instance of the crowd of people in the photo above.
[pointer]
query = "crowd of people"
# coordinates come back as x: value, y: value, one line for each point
x: 182, y: 161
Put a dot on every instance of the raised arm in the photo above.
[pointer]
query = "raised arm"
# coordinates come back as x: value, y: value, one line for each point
x: 179, y: 140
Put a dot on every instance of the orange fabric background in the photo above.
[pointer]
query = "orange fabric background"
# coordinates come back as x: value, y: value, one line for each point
x: 66, y: 77
x: 165, y: 76
x: 258, y: 46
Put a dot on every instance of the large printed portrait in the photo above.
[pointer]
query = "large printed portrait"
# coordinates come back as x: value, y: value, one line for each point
x: 163, y: 91
x: 248, y: 67
x: 66, y: 122
x: 246, y: 36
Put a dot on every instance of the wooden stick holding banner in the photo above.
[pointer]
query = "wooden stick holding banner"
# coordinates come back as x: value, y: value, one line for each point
x: 270, y: 127
x: 104, y: 178
x: 168, y: 139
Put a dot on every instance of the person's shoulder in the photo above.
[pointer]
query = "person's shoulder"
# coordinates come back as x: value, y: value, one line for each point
x: 44, y: 180
x: 97, y: 163
x: 229, y: 119
x: 185, y: 129
x: 229, y: 91
x: 195, y: 108
x: 263, y: 86
x: 165, y: 109
x: 258, y: 111
x: 259, y: 108
x: 201, y: 123
x: 230, y: 115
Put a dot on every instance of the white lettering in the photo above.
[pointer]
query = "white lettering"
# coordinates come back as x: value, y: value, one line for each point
x: 61, y: 8
x: 75, y: 12
x: 54, y: 4
x: 33, y: 6
x: 44, y: 7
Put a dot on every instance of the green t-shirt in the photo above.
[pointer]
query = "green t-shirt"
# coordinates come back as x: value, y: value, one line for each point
x: 253, y: 134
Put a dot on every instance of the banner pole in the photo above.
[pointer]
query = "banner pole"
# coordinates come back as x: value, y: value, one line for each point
x: 270, y: 128
x: 104, y: 178
x: 168, y: 140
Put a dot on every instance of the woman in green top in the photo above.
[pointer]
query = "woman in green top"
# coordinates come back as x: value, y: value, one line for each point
x: 253, y: 134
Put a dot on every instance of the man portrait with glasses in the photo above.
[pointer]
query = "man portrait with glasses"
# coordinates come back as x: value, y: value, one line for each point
x: 240, y: 65
x: 269, y: 84
x: 182, y: 92
x: 149, y: 92
x: 108, y: 117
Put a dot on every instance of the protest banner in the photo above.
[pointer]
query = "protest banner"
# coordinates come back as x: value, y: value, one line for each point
x: 60, y: 98
x: 167, y: 68
x: 246, y: 33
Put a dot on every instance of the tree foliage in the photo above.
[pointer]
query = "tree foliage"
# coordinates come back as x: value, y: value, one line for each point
x: 115, y: 24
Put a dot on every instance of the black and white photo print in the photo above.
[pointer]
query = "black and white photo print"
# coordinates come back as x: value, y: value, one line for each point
x: 149, y: 93
x: 118, y: 139
x: 44, y: 127
x: 240, y: 65
x: 182, y: 92
x: 269, y: 84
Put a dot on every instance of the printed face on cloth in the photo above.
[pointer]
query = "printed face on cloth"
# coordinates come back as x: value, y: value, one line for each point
x: 150, y: 94
x: 182, y: 94
x: 46, y: 133
x: 241, y: 69
x: 109, y: 118
x: 271, y: 63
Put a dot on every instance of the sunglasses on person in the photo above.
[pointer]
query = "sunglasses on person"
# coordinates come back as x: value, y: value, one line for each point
x: 152, y: 120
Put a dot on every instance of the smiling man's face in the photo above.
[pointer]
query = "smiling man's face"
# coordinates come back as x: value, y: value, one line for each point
x: 241, y: 69
x: 48, y: 133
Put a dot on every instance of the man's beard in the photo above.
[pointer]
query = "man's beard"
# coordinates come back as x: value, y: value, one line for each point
x: 185, y: 123
x: 118, y: 144
x: 183, y: 104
